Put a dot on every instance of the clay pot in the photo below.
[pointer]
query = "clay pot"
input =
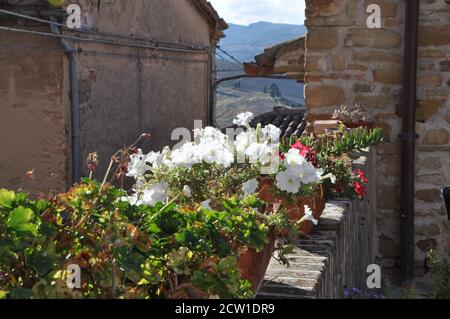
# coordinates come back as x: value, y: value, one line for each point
x: 266, y: 191
x: 296, y: 208
x: 366, y: 124
x: 253, y: 265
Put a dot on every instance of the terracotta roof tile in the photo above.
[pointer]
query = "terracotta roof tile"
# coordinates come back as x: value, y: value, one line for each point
x: 290, y: 121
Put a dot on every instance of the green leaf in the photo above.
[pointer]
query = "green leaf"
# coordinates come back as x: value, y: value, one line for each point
x: 47, y: 230
x: 6, y: 198
x: 42, y: 263
x: 21, y: 221
x: 3, y: 294
x: 43, y: 205
x: 21, y: 293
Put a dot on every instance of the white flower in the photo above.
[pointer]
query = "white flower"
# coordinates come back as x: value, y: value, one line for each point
x: 212, y: 133
x: 309, y: 216
x: 155, y: 194
x: 309, y: 174
x: 259, y: 153
x: 331, y: 177
x: 159, y: 159
x: 306, y: 172
x: 250, y: 187
x: 206, y: 204
x: 138, y: 165
x: 243, y: 119
x: 271, y: 133
x: 244, y: 140
x: 215, y: 153
x: 288, y: 181
x: 186, y: 155
x: 133, y: 199
x: 293, y: 157
x: 187, y: 191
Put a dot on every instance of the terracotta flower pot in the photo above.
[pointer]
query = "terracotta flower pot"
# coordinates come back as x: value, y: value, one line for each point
x: 266, y: 191
x: 253, y: 265
x: 365, y: 124
x: 296, y: 208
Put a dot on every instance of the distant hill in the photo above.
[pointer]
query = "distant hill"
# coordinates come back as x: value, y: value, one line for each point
x: 254, y: 95
x: 244, y: 42
x: 257, y: 96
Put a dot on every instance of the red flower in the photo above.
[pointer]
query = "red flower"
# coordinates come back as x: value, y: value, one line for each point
x: 307, y: 152
x: 360, y: 189
x: 362, y: 177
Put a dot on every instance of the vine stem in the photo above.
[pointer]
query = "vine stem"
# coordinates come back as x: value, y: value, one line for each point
x: 107, y: 173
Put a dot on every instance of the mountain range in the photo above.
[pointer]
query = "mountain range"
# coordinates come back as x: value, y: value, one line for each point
x: 245, y: 42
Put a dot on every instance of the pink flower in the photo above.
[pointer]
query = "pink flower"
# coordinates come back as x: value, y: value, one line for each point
x: 360, y: 189
x: 362, y: 176
x: 307, y: 152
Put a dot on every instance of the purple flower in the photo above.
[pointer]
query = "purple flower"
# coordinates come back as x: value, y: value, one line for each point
x: 357, y: 291
x: 347, y: 292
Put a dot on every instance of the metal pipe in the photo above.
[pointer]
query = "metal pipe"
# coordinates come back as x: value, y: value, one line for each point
x: 75, y: 111
x: 408, y: 137
x: 211, y: 91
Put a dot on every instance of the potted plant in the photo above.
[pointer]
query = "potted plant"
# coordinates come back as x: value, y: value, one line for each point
x: 354, y: 117
x: 215, y: 166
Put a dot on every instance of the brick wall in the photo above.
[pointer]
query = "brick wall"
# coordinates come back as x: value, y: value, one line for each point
x: 348, y: 63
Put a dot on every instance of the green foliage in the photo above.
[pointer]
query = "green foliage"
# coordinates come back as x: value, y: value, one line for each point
x: 207, y: 181
x: 338, y: 143
x: 334, y: 153
x: 440, y: 270
x: 6, y: 198
x: 22, y: 220
x: 348, y: 141
x: 124, y: 251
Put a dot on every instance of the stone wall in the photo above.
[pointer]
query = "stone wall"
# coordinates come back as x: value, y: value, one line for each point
x: 348, y: 63
x: 123, y: 90
x: 34, y: 108
x: 337, y: 252
x: 433, y: 126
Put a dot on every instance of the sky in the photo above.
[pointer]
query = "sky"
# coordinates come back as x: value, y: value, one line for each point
x: 250, y: 11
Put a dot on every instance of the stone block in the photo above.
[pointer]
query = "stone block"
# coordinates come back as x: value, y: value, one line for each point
x: 362, y: 88
x: 436, y: 137
x: 434, y: 35
x: 321, y: 38
x: 391, y: 74
x: 338, y: 61
x: 324, y: 95
x: 426, y: 245
x: 323, y: 8
x: 429, y: 195
x: 373, y: 38
x: 426, y: 109
x: 445, y: 66
x: 388, y: 7
x: 373, y: 101
x: 377, y: 57
x: 429, y: 80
